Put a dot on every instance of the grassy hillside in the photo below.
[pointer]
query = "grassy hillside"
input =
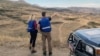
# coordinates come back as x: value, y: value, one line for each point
x: 14, y: 16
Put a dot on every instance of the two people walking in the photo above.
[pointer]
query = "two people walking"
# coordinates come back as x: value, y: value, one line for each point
x: 44, y: 26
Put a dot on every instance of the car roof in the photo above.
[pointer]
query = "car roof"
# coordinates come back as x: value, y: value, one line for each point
x: 90, y: 36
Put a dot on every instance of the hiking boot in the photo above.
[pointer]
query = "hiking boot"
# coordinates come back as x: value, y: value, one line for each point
x: 50, y: 53
x: 44, y: 53
x: 33, y: 51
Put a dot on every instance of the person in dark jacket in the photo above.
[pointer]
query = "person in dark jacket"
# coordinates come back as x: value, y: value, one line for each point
x: 32, y: 29
x: 45, y: 28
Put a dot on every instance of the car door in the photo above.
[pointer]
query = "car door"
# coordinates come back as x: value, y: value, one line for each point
x: 72, y: 42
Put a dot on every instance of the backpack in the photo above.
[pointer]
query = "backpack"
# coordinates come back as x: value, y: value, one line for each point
x: 31, y: 26
x: 45, y: 25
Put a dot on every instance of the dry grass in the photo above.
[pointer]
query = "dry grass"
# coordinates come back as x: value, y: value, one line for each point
x: 13, y: 24
x: 9, y: 41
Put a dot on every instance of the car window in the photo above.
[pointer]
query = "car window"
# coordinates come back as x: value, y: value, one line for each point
x: 72, y: 39
x: 79, y: 46
x: 75, y: 40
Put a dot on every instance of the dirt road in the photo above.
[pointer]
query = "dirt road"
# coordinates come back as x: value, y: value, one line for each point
x: 24, y: 51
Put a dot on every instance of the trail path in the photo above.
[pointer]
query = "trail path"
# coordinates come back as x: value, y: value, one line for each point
x: 60, y: 27
x: 24, y: 51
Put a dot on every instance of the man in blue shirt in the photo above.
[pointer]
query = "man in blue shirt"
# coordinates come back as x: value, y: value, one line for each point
x: 45, y: 28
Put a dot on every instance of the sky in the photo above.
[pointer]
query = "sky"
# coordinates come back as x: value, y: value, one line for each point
x: 65, y: 3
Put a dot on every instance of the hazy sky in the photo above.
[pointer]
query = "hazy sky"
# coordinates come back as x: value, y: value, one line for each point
x: 66, y: 3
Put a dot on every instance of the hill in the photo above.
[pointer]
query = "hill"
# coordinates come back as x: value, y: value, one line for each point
x: 14, y: 16
x: 13, y: 24
x: 85, y: 10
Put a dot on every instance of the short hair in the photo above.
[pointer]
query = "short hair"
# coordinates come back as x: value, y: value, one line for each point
x: 43, y: 13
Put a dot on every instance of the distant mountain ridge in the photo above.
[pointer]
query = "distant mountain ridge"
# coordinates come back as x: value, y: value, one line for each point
x: 85, y: 10
x: 72, y: 9
x: 69, y: 9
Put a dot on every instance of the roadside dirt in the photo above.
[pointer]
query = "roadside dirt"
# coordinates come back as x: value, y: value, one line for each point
x: 24, y: 51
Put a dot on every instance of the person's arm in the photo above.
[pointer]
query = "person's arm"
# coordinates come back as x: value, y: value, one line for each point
x: 38, y: 27
x: 31, y: 17
x: 50, y: 18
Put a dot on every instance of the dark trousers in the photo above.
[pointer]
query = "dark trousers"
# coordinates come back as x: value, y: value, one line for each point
x: 33, y: 38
